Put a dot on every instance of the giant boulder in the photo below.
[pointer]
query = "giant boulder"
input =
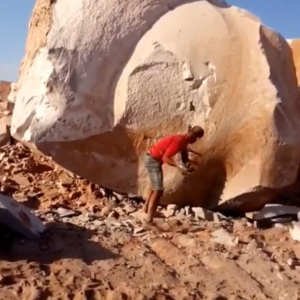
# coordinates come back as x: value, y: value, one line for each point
x: 103, y: 80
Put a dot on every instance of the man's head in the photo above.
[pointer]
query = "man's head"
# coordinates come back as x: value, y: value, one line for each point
x: 194, y: 134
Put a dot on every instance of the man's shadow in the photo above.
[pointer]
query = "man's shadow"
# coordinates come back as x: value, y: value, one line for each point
x: 60, y: 241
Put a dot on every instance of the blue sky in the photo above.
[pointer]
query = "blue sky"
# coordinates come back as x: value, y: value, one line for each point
x: 281, y: 15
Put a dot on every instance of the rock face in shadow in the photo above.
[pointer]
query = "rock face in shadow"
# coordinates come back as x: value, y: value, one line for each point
x: 295, y: 45
x: 103, y: 80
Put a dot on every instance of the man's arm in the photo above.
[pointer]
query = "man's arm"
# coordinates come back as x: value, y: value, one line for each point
x: 193, y: 162
x: 188, y: 163
x: 170, y: 162
x: 167, y: 158
x: 184, y: 156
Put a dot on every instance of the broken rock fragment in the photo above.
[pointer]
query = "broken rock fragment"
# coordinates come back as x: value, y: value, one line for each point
x: 276, y: 211
x: 274, y: 214
x: 295, y: 231
x: 252, y: 246
x: 100, y: 83
x: 223, y: 237
x: 204, y: 214
x: 170, y: 210
x: 19, y: 218
x: 66, y: 213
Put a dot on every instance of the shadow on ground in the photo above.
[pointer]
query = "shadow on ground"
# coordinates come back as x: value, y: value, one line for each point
x: 60, y: 241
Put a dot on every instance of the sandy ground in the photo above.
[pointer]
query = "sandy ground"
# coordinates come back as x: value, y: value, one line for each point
x: 103, y: 252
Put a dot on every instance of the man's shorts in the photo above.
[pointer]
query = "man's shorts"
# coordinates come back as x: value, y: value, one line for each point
x: 154, y: 168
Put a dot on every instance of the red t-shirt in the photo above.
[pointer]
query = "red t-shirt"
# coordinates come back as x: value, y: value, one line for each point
x: 169, y: 146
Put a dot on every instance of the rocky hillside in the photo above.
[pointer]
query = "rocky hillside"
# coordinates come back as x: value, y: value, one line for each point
x: 5, y: 88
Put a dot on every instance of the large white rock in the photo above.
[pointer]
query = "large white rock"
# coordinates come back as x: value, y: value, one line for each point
x: 103, y: 80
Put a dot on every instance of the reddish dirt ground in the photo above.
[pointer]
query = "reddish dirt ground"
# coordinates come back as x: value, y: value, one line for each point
x: 105, y: 253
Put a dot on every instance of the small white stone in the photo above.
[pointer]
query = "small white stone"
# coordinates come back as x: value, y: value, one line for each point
x: 252, y: 246
x: 187, y: 72
x: 295, y: 231
x: 221, y: 236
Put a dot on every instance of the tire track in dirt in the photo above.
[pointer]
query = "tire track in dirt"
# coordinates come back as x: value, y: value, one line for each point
x: 240, y: 280
x: 275, y: 282
x: 188, y: 269
x: 131, y: 275
x: 233, y: 280
x: 166, y: 277
x: 119, y: 283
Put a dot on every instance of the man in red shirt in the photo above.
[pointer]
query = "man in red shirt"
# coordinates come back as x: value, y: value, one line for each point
x: 162, y: 153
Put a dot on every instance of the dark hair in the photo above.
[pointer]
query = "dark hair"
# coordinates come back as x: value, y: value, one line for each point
x: 196, y: 131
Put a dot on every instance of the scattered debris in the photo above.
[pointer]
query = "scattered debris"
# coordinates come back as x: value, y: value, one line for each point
x: 105, y: 211
x: 188, y: 211
x: 252, y: 246
x: 74, y: 195
x: 139, y: 230
x: 292, y: 262
x: 274, y: 215
x: 113, y: 214
x: 98, y: 223
x: 64, y: 212
x: 129, y: 209
x: 181, y: 215
x: 187, y: 72
x: 214, y: 296
x: 168, y: 213
x: 221, y: 236
x: 65, y: 180
x: 2, y: 155
x: 204, y: 214
x: 170, y: 210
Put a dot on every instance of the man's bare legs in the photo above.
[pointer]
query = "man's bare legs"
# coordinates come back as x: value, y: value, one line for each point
x: 146, y: 205
x: 152, y: 205
x: 154, y: 168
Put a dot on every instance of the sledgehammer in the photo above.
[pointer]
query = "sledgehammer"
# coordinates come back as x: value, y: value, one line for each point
x: 192, y: 162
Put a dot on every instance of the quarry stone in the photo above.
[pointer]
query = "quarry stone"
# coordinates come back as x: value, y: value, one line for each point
x: 101, y: 81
